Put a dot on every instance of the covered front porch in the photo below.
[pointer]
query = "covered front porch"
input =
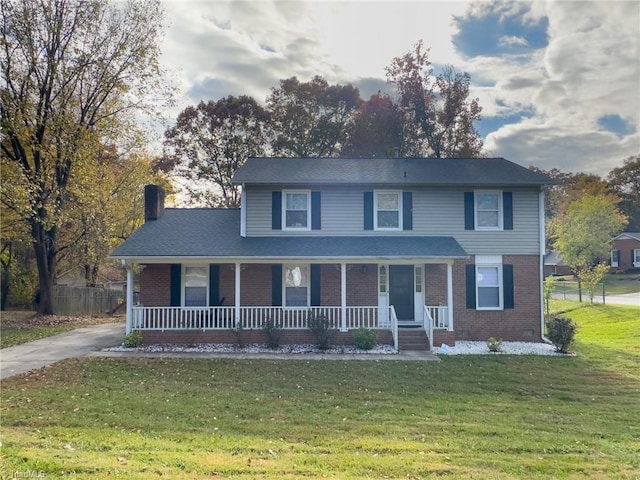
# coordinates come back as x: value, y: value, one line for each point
x: 244, y: 296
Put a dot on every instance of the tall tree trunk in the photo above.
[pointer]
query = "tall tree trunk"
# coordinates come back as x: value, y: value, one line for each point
x: 43, y: 244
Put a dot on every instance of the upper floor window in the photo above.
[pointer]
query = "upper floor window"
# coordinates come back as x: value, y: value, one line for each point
x: 488, y: 210
x: 388, y: 208
x: 196, y: 281
x: 296, y: 211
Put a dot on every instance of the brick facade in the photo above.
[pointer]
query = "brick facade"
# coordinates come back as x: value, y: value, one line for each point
x: 625, y: 246
x: 521, y: 323
x: 155, y: 285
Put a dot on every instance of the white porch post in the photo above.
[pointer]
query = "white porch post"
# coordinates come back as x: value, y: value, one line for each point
x: 237, y: 295
x: 343, y: 296
x: 129, y: 299
x: 450, y: 295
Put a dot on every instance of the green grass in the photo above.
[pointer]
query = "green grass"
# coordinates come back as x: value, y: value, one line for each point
x: 497, y: 417
x: 17, y: 327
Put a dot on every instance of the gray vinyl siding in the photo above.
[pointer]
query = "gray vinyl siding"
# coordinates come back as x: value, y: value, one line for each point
x: 436, y: 212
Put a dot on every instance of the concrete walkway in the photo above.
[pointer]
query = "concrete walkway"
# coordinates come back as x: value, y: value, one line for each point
x: 76, y: 343
x: 89, y: 341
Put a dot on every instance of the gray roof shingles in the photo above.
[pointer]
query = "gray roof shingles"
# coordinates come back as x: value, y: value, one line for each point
x: 388, y: 171
x: 215, y: 233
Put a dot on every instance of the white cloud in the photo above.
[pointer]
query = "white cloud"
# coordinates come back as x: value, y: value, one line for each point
x: 591, y: 68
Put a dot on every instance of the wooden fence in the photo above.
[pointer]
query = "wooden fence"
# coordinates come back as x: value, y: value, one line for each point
x: 85, y: 300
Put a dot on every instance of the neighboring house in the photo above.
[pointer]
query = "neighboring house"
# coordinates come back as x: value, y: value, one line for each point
x: 554, y: 265
x: 625, y: 253
x: 451, y: 247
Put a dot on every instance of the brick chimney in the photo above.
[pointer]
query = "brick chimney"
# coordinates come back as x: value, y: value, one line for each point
x: 153, y: 202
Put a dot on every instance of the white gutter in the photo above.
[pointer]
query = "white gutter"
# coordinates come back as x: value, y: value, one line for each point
x: 541, y: 223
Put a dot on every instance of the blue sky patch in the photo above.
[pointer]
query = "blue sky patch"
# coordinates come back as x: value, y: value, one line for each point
x: 616, y: 124
x: 489, y: 125
x: 495, y: 34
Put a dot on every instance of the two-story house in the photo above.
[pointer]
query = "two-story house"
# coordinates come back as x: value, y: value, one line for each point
x: 452, y: 248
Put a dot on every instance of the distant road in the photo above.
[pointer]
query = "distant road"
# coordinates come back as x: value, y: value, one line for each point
x: 632, y: 299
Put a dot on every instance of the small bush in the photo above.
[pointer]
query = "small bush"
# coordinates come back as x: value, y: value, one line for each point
x: 239, y: 335
x: 561, y: 331
x: 494, y: 344
x: 321, y: 329
x: 272, y: 330
x: 133, y: 339
x: 365, y: 339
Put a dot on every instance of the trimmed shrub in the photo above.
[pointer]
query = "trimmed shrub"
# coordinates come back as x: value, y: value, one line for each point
x: 494, y: 344
x: 321, y: 329
x: 365, y: 339
x: 133, y: 339
x: 273, y: 333
x: 561, y: 331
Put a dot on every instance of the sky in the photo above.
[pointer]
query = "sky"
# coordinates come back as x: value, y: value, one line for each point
x: 558, y: 81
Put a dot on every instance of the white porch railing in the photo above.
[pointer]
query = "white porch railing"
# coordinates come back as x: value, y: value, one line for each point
x: 252, y: 318
x: 440, y: 316
x: 394, y: 326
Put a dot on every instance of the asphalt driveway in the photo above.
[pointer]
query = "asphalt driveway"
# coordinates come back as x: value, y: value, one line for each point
x: 76, y: 343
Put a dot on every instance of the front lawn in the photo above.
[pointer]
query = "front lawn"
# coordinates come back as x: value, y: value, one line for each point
x: 496, y: 417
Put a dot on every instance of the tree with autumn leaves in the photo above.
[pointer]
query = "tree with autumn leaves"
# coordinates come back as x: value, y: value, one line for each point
x: 74, y: 75
x: 429, y: 115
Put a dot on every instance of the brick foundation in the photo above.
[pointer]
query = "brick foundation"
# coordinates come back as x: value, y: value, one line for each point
x: 289, y: 337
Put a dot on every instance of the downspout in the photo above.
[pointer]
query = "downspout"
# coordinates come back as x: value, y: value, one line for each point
x: 541, y: 226
x: 129, y: 298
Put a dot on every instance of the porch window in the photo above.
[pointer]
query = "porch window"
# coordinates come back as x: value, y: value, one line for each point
x: 196, y: 281
x: 296, y: 285
x: 387, y: 207
x: 296, y: 210
x: 615, y: 258
x: 488, y: 210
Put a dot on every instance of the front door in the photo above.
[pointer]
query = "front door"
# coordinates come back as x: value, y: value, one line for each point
x: 401, y: 290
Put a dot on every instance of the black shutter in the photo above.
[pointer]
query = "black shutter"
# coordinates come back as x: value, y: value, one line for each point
x: 407, y: 211
x: 276, y: 210
x: 507, y: 209
x: 276, y: 285
x: 507, y: 284
x: 176, y: 284
x: 470, y: 284
x: 633, y: 258
x: 469, y: 223
x: 214, y: 285
x: 315, y: 285
x: 316, y: 223
x: 368, y: 210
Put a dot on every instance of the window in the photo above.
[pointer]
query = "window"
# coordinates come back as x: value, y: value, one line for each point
x: 488, y: 287
x: 388, y: 208
x: 382, y: 279
x: 296, y: 285
x: 196, y: 281
x: 296, y: 210
x: 636, y: 257
x: 615, y: 258
x: 488, y: 210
